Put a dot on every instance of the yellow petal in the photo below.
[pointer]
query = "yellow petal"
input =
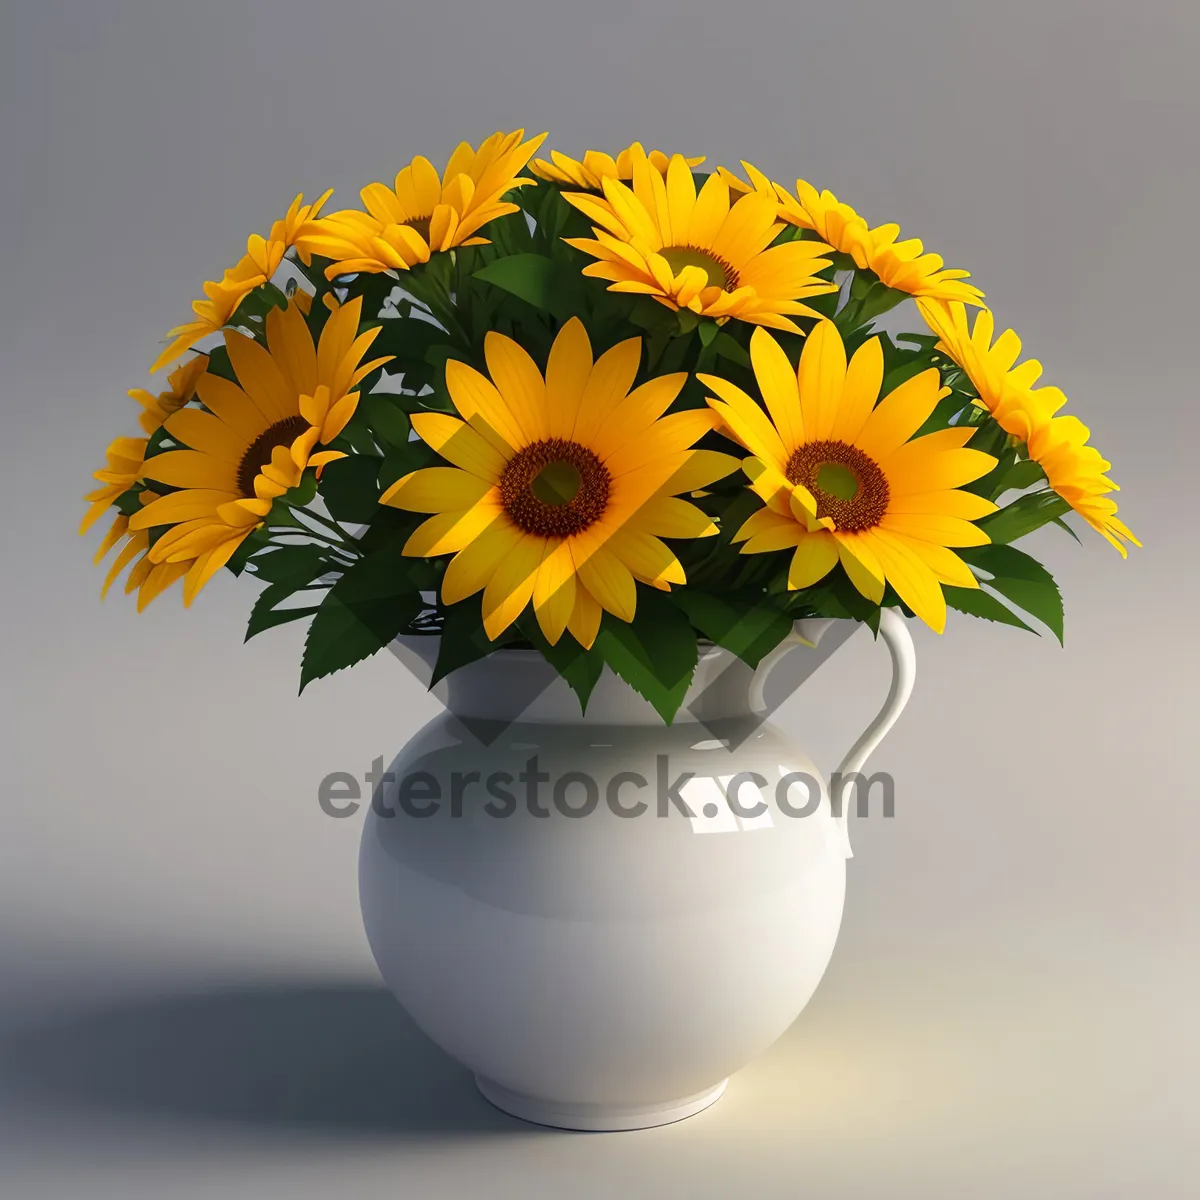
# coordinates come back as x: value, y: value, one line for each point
x: 554, y: 590
x: 815, y: 556
x: 864, y: 376
x: 607, y: 578
x: 899, y: 415
x: 822, y: 376
x: 779, y: 386
x: 519, y: 383
x: 567, y: 371
x: 460, y: 444
x: 511, y: 586
x: 450, y: 532
x: 436, y: 489
x: 472, y: 567
x: 191, y: 469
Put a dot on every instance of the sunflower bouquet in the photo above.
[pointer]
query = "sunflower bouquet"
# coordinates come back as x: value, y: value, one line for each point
x: 610, y: 410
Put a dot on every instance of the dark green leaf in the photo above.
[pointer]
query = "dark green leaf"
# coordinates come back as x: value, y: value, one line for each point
x: 979, y: 603
x: 1021, y: 475
x: 371, y: 603
x: 534, y: 278
x: 749, y: 627
x: 727, y: 347
x: 579, y: 667
x: 386, y: 418
x: 282, y: 564
x: 1025, y: 514
x: 463, y: 638
x: 350, y: 487
x: 1022, y: 580
x: 655, y: 654
x: 263, y: 616
x: 708, y: 332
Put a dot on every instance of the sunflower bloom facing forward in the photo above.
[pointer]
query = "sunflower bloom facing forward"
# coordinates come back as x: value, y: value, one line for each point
x: 256, y: 267
x: 423, y: 213
x: 562, y: 488
x: 257, y: 437
x: 589, y: 173
x: 702, y: 252
x: 843, y: 482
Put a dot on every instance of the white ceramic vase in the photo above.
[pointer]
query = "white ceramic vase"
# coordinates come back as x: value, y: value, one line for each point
x: 598, y: 965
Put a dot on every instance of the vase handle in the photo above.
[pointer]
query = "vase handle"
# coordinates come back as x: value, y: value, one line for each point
x: 894, y: 631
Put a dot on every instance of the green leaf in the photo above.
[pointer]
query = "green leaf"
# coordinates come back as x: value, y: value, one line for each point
x: 749, y: 627
x: 727, y: 347
x: 708, y: 333
x: 533, y: 278
x: 388, y: 421
x: 1025, y: 514
x: 579, y: 667
x: 1022, y: 580
x: 463, y: 638
x: 264, y: 615
x: 350, y: 487
x: 1021, y: 475
x: 303, y: 493
x: 249, y: 547
x: 655, y: 654
x: 282, y: 564
x: 979, y: 603
x: 371, y: 603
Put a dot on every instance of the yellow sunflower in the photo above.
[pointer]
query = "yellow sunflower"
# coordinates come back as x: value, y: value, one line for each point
x: 148, y: 578
x: 843, y: 482
x: 901, y: 265
x: 1076, y: 471
x: 588, y: 174
x: 561, y: 487
x: 257, y: 266
x: 123, y: 466
x: 423, y: 213
x: 699, y: 252
x: 257, y: 437
x: 1004, y: 389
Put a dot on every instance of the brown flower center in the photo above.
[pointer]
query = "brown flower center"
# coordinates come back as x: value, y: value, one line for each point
x: 720, y: 273
x: 282, y: 433
x: 846, y: 484
x: 421, y: 225
x: 554, y: 488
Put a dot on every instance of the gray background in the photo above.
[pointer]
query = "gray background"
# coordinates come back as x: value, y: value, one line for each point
x: 187, y: 1004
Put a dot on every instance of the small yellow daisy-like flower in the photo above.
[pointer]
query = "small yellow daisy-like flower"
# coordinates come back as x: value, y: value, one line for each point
x: 256, y: 438
x: 700, y: 252
x: 562, y: 487
x: 257, y: 266
x: 589, y: 173
x: 1076, y: 471
x: 844, y: 480
x: 423, y: 213
x: 901, y: 265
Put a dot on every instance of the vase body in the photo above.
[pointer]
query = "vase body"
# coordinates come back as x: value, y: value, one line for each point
x: 580, y: 908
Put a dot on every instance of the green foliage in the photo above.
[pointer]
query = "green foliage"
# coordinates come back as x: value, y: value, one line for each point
x: 655, y: 653
x: 364, y: 610
x: 1025, y: 514
x: 526, y: 282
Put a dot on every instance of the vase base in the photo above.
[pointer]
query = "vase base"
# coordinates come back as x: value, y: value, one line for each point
x: 597, y: 1118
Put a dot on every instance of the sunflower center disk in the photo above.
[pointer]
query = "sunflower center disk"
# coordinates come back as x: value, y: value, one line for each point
x: 421, y: 225
x: 282, y: 433
x: 846, y: 484
x: 720, y: 273
x: 554, y: 488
